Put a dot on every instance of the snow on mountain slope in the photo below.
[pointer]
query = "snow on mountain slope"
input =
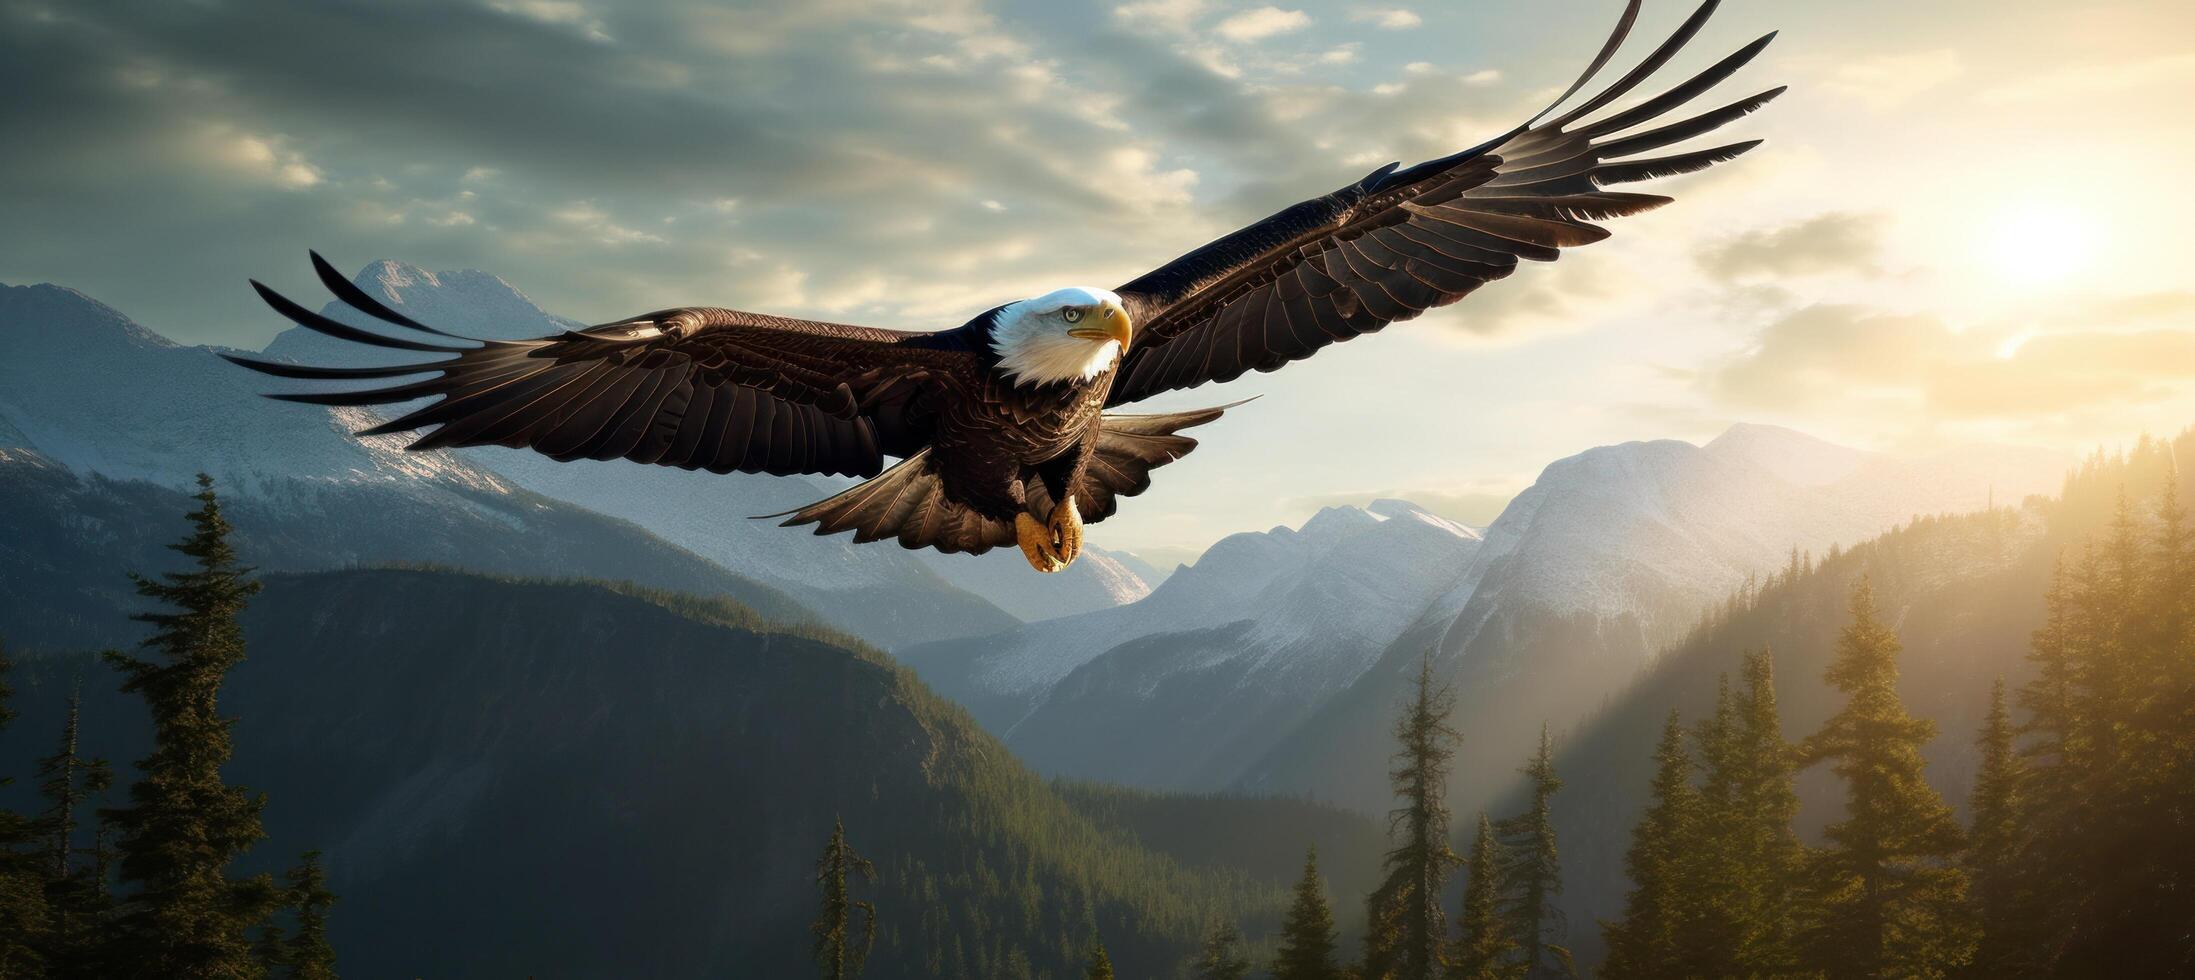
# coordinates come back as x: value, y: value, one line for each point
x: 1794, y: 457
x: 1143, y: 568
x: 121, y: 420
x: 1099, y: 579
x: 1610, y: 555
x: 1191, y: 683
x: 98, y: 393
x: 1217, y: 589
x: 1618, y: 530
x: 887, y: 594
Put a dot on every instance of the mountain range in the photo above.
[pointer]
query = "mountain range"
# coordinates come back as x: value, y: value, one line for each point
x: 1188, y: 686
x: 1271, y: 664
x: 1274, y: 663
x: 1608, y: 557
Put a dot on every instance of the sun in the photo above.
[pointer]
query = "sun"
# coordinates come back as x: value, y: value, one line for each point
x: 2040, y: 243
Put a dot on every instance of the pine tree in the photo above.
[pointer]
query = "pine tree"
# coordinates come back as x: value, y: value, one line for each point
x: 1648, y: 941
x: 1995, y: 842
x: 835, y: 952
x: 2049, y: 698
x: 1307, y: 934
x: 1487, y: 949
x: 306, y: 952
x: 77, y: 897
x: 1709, y: 930
x: 183, y: 825
x: 1407, y: 933
x: 2110, y: 802
x: 23, y: 914
x: 1888, y: 899
x: 1222, y: 958
x: 1101, y: 966
x: 1756, y: 833
x: 1531, y: 871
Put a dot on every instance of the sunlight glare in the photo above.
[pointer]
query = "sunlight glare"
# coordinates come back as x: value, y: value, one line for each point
x: 2040, y: 243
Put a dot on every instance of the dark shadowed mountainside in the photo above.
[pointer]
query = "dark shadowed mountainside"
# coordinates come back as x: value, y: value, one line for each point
x: 564, y: 779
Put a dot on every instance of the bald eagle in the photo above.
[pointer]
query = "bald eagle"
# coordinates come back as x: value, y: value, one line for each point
x: 1002, y: 426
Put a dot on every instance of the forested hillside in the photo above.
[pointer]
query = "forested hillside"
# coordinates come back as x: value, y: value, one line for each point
x: 516, y: 778
x: 1963, y: 593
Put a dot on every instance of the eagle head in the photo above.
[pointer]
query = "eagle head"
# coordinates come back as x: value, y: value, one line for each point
x: 1070, y: 334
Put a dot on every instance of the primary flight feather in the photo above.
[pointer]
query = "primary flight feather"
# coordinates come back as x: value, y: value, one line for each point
x: 1001, y: 425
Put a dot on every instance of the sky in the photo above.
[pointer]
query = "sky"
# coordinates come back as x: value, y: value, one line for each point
x: 1967, y: 223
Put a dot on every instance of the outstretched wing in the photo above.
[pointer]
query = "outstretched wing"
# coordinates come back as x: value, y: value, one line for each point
x: 1400, y: 242
x: 698, y: 388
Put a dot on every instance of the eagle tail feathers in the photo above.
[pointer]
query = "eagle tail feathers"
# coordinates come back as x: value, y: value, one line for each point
x: 908, y: 501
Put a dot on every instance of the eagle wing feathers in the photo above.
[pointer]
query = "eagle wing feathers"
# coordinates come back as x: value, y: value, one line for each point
x: 1403, y: 241
x: 693, y: 387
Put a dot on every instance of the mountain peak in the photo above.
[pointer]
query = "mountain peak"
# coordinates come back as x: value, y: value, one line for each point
x: 463, y: 301
x: 466, y: 301
x: 1791, y: 455
x: 45, y: 311
x: 1338, y: 518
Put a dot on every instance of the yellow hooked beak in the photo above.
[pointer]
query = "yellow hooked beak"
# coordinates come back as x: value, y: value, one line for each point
x: 1106, y: 322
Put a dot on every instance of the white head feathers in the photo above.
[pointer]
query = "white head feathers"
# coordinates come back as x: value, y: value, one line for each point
x: 1032, y: 341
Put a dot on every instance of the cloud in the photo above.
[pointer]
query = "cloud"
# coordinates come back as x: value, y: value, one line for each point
x: 1176, y: 16
x: 1388, y: 18
x: 2066, y: 371
x: 1832, y: 242
x: 558, y: 13
x: 267, y: 158
x: 1538, y: 298
x: 1261, y: 23
x: 1340, y: 54
x: 1850, y: 358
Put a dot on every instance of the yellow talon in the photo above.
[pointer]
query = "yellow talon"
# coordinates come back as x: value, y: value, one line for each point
x: 1066, y: 536
x: 1036, y: 544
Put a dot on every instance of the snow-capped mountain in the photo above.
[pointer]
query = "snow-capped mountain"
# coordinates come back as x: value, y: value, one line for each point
x: 107, y: 422
x: 1609, y: 556
x: 1099, y: 579
x: 1275, y: 661
x: 98, y: 393
x: 888, y: 595
x: 1188, y: 685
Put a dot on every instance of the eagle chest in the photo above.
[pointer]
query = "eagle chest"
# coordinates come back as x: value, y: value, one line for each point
x: 1031, y: 424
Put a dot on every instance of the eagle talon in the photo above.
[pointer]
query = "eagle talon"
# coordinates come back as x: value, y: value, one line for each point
x: 1066, y: 531
x: 1036, y: 544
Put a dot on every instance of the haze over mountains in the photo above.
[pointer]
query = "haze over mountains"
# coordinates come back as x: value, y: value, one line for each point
x: 1271, y: 663
x: 1274, y: 663
x: 1609, y: 556
x: 1188, y: 686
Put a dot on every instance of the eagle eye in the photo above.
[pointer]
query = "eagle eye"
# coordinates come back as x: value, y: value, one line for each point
x: 1071, y: 314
